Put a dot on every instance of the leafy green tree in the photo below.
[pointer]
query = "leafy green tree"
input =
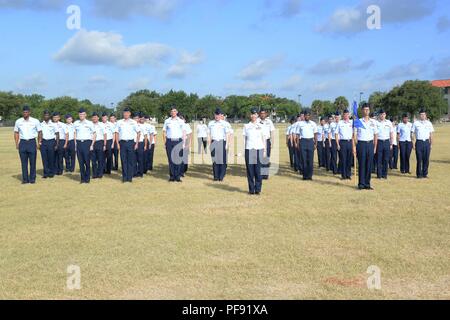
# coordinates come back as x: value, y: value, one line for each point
x: 340, y: 104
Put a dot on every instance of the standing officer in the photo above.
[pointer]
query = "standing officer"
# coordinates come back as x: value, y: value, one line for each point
x: 405, y: 142
x: 394, y: 153
x: 289, y: 142
x: 344, y: 141
x: 423, y: 136
x: 218, y: 135
x: 151, y: 134
x: 321, y: 143
x: 174, y: 135
x: 326, y: 131
x: 202, y: 137
x: 26, y: 130
x: 109, y: 130
x: 84, y: 143
x: 296, y: 140
x: 307, y: 131
x: 48, y: 141
x: 115, y: 148
x: 187, y: 145
x: 333, y: 145
x: 69, y: 147
x: 255, y: 149
x: 385, y: 144
x: 98, y: 152
x: 127, y: 133
x: 59, y: 153
x: 269, y: 130
x: 364, y: 145
x: 142, y: 145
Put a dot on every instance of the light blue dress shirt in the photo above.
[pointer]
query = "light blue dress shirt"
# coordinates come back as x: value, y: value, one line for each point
x: 27, y: 129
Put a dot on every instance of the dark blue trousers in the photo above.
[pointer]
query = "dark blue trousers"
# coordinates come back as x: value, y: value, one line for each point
x: 333, y: 158
x: 291, y: 154
x: 84, y: 159
x: 365, y: 153
x: 115, y: 157
x: 107, y: 166
x: 320, y: 153
x: 383, y: 156
x: 253, y: 164
x: 174, y: 150
x: 70, y: 156
x: 423, y: 152
x: 128, y: 158
x: 185, y: 166
x: 59, y: 158
x: 345, y: 158
x: 48, y: 157
x: 327, y: 155
x: 219, y: 159
x: 139, y: 168
x: 28, y: 153
x: 151, y: 154
x: 98, y: 159
x: 265, y: 166
x: 405, y: 155
x: 307, y: 151
x: 394, y: 157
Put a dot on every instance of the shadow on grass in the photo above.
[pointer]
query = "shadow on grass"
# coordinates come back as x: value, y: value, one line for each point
x: 224, y: 187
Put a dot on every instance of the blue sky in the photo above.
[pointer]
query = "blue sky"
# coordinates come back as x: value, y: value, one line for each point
x: 319, y: 49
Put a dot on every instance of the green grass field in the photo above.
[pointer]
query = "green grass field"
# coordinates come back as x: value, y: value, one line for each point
x: 201, y: 240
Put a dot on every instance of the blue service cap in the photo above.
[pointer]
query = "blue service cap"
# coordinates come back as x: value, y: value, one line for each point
x: 218, y: 111
x: 68, y: 116
x: 337, y: 113
x: 82, y: 110
x: 46, y: 112
x: 95, y: 114
x: 422, y: 110
x: 381, y: 111
x: 104, y: 114
x: 126, y: 109
x: 405, y: 115
x: 26, y: 108
x: 254, y: 110
x: 56, y: 113
x: 346, y: 111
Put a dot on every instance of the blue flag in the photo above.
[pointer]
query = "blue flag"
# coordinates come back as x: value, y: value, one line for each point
x: 356, y: 122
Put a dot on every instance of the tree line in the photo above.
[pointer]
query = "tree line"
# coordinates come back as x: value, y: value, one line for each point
x: 409, y: 97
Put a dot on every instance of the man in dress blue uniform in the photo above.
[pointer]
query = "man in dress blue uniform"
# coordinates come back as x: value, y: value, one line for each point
x: 127, y: 133
x: 422, y: 130
x: 142, y: 145
x: 289, y: 142
x: 344, y: 140
x: 307, y: 131
x: 333, y: 145
x: 364, y: 145
x: 109, y: 129
x: 326, y: 131
x: 115, y: 149
x: 151, y: 137
x: 98, y: 152
x: 255, y: 142
x: 405, y: 143
x: 297, y: 142
x: 48, y: 142
x: 26, y: 130
x: 394, y: 153
x: 70, y: 152
x: 187, y: 145
x: 59, y: 153
x: 321, y: 143
x: 269, y: 130
x: 385, y: 144
x: 218, y: 137
x: 84, y: 143
x: 174, y: 136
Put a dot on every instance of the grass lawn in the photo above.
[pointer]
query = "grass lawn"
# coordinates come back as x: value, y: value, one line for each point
x: 201, y: 240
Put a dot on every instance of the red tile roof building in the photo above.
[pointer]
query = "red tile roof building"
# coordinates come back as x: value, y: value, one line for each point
x: 445, y: 86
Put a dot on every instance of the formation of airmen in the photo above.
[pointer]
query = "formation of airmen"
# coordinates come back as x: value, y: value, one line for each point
x: 375, y: 141
x: 98, y: 142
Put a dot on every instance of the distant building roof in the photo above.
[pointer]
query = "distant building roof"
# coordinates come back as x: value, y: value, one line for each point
x: 441, y: 83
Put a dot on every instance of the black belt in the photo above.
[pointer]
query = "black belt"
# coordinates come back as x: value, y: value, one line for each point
x: 383, y: 140
x: 346, y: 140
x: 127, y: 140
x: 370, y: 141
x: 27, y: 140
x: 48, y: 139
x: 82, y: 141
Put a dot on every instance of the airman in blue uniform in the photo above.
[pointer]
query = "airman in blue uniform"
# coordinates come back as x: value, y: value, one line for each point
x: 423, y: 130
x: 289, y: 142
x: 70, y: 152
x: 333, y: 144
x: 321, y: 143
x: 48, y: 142
x: 98, y: 152
x: 59, y: 152
x: 109, y: 129
x: 405, y: 142
x: 85, y: 136
x: 115, y: 149
x: 174, y: 136
x: 26, y: 130
x: 385, y: 144
x: 344, y: 141
x: 307, y: 132
x: 142, y: 145
x: 218, y: 137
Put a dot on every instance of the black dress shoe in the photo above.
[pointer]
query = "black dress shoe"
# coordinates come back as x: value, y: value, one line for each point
x: 171, y: 180
x: 369, y: 188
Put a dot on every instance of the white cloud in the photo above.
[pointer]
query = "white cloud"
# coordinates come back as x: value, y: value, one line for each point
x: 98, y: 80
x: 443, y: 24
x: 412, y: 69
x: 107, y: 48
x: 139, y: 84
x: 32, y: 83
x: 339, y: 65
x: 292, y: 83
x: 123, y: 9
x: 353, y: 19
x: 181, y: 69
x: 442, y: 68
x: 259, y: 68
